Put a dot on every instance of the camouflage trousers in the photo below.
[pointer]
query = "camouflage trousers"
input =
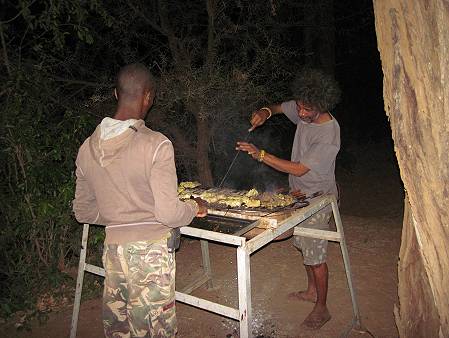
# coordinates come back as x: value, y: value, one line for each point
x: 314, y: 250
x: 139, y: 290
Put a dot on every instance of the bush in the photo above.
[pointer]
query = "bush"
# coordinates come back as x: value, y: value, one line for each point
x: 39, y: 143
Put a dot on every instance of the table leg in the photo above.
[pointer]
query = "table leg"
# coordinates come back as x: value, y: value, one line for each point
x: 244, y: 287
x: 206, y: 262
x: 344, y: 252
x: 79, y: 281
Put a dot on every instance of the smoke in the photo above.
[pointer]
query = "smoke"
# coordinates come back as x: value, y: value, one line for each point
x: 248, y: 173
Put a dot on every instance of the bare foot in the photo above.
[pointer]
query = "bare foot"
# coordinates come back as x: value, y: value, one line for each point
x: 316, y: 319
x: 303, y: 296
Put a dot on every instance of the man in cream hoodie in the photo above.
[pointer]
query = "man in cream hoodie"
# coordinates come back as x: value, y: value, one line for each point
x: 126, y: 180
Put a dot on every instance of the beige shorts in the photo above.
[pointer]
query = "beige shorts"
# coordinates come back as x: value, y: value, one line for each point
x: 314, y: 250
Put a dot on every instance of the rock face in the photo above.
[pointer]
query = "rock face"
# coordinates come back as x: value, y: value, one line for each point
x: 413, y: 41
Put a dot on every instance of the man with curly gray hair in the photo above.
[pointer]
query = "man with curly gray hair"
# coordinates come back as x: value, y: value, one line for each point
x: 311, y: 169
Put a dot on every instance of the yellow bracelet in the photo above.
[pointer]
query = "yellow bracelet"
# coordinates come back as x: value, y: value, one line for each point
x: 261, y: 155
x: 268, y: 110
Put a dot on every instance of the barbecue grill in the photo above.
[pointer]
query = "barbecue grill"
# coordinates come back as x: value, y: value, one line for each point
x: 227, y: 225
x: 240, y: 220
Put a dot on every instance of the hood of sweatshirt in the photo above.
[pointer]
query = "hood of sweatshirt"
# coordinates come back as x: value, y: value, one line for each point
x: 111, y: 137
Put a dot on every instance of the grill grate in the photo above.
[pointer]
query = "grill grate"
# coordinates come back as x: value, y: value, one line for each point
x: 259, y: 211
x: 221, y: 224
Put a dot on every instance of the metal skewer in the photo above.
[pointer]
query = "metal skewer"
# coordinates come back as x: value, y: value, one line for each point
x: 233, y: 161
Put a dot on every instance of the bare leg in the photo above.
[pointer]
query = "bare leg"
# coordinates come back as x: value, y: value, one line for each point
x: 309, y: 295
x: 320, y: 314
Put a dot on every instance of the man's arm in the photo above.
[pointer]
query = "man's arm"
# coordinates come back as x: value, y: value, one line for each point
x: 289, y: 167
x: 260, y: 116
x: 169, y: 210
x: 85, y: 205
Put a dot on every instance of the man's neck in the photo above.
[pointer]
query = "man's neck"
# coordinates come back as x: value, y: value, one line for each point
x: 322, y: 118
x: 124, y: 113
x: 122, y: 117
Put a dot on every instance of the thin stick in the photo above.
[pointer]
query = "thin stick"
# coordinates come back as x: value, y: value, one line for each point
x: 232, y: 163
x: 229, y: 169
x: 5, y: 52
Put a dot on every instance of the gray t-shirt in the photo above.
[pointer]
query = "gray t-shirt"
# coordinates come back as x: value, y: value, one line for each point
x: 316, y: 146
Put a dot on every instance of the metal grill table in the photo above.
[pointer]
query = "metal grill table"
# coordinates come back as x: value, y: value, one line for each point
x: 244, y: 249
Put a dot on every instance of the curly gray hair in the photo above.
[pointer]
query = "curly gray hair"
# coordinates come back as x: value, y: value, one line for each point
x: 316, y: 89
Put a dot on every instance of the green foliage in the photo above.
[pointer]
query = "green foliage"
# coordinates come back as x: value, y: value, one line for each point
x: 39, y: 143
x: 55, y: 21
x: 222, y: 98
x: 40, y: 132
x: 59, y: 59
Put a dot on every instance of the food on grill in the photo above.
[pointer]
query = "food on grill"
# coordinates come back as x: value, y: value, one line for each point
x: 187, y: 185
x: 252, y: 193
x: 231, y: 201
x: 252, y: 203
x: 272, y: 200
x: 212, y: 197
x: 184, y: 194
x: 237, y: 199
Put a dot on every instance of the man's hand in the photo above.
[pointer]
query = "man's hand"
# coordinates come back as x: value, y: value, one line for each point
x: 258, y: 118
x: 297, y: 194
x: 202, y: 205
x: 250, y: 148
x: 281, y: 190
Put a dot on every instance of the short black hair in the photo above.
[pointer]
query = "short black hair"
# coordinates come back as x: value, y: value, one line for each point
x: 316, y: 89
x: 134, y: 80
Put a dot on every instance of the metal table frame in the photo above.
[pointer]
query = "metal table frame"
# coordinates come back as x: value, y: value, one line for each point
x: 244, y: 249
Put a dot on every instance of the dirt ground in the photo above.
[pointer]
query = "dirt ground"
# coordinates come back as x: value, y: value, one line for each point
x: 371, y: 209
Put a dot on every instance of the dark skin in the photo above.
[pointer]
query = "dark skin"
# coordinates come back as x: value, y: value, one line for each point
x: 135, y: 97
x: 317, y: 275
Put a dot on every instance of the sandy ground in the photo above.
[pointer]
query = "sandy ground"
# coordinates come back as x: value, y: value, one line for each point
x: 372, y: 219
x: 276, y: 270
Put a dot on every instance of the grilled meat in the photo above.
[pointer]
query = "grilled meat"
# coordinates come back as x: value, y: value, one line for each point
x: 235, y: 199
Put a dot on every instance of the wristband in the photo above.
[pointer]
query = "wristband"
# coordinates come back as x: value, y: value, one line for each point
x: 261, y: 155
x: 268, y: 110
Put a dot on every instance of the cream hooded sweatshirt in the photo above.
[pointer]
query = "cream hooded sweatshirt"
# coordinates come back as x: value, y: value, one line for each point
x: 126, y: 180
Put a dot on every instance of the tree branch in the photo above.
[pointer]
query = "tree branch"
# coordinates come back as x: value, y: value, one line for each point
x: 5, y: 53
x: 4, y: 91
x: 18, y: 14
x: 211, y: 9
x: 146, y: 19
x: 168, y: 32
x: 81, y: 82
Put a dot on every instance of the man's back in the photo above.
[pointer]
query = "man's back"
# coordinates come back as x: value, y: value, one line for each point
x: 126, y: 180
x: 133, y: 178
